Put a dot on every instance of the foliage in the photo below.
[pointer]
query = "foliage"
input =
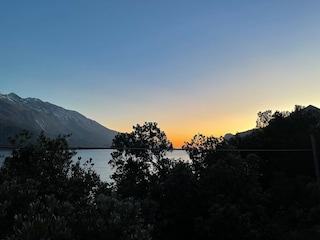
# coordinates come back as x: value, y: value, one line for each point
x: 182, y: 199
x: 219, y: 194
x: 200, y: 148
x: 231, y: 201
x: 285, y: 131
x: 234, y: 199
x: 46, y: 195
x: 264, y: 118
x: 175, y: 196
x: 139, y: 156
x: 287, y: 176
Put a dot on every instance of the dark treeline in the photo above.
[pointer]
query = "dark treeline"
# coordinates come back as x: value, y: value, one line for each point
x: 217, y: 195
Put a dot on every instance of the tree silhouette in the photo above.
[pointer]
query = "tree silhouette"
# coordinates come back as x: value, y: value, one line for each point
x: 263, y: 119
x: 138, y: 156
x: 47, y: 195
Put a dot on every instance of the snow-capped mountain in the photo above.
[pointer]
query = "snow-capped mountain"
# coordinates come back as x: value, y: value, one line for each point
x: 34, y: 115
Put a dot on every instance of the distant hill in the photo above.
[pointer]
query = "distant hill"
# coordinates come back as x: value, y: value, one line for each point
x: 34, y: 115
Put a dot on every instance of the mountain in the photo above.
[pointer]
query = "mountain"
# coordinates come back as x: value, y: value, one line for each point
x: 34, y: 115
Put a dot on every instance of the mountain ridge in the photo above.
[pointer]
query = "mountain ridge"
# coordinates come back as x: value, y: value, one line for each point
x: 35, y: 115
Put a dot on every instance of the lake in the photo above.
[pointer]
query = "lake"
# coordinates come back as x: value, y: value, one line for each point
x: 101, y: 157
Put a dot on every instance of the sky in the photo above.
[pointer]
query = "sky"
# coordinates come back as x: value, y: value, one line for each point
x: 191, y: 66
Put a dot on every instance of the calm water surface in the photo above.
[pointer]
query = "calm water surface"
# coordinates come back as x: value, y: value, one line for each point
x: 3, y: 154
x: 101, y: 157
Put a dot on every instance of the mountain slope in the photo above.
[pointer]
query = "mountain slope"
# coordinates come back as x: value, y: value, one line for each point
x: 32, y: 114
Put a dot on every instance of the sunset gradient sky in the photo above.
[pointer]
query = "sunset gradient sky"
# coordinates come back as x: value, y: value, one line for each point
x: 192, y: 66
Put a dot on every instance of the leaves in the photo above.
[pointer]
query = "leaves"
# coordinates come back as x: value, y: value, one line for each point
x: 45, y: 195
x: 139, y: 155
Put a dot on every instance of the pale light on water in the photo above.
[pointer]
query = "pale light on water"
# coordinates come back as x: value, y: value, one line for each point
x: 3, y: 154
x: 100, y: 158
x: 178, y: 154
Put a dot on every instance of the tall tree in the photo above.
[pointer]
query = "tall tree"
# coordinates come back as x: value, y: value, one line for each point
x: 200, y: 148
x: 264, y: 118
x: 139, y: 155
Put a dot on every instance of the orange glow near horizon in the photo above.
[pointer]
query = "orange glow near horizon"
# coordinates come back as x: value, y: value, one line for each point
x: 178, y: 141
x: 218, y: 124
x: 184, y: 131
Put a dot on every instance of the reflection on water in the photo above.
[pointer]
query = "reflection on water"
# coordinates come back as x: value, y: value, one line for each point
x: 100, y: 158
x: 3, y: 154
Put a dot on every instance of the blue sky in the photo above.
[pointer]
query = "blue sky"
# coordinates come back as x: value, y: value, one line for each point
x: 191, y: 66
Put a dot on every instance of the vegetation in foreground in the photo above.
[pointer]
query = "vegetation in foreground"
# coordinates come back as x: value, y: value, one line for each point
x: 219, y: 194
